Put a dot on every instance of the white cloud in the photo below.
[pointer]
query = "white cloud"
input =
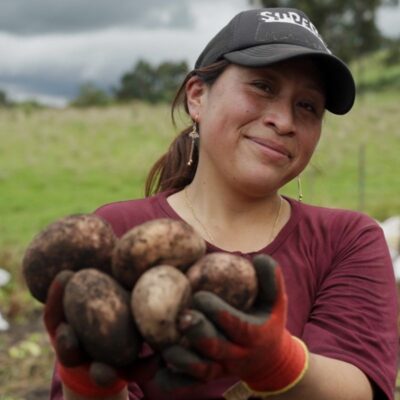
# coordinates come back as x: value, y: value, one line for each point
x: 27, y: 17
x: 50, y: 67
x: 103, y: 56
x: 388, y: 20
x: 92, y: 56
x: 21, y: 93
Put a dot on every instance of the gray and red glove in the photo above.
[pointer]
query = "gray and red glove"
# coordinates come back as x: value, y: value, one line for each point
x: 255, y: 347
x: 94, y: 379
x: 76, y: 370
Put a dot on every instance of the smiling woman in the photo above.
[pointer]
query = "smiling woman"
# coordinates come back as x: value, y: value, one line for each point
x: 323, y: 325
x: 266, y: 136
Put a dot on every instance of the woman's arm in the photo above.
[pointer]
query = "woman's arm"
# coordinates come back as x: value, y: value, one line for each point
x: 258, y: 349
x: 327, y: 378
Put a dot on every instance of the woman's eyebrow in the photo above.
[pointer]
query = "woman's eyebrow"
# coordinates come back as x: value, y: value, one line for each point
x: 316, y: 87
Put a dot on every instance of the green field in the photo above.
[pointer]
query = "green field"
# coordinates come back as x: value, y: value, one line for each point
x: 58, y: 162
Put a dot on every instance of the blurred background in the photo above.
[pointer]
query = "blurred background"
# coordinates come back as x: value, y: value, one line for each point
x: 85, y: 90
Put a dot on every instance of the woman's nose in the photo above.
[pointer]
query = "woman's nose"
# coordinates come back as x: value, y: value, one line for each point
x: 279, y: 115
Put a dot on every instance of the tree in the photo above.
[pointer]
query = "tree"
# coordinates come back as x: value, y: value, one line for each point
x: 137, y: 83
x: 4, y: 102
x: 90, y: 95
x: 348, y: 27
x: 150, y: 83
x: 171, y: 76
x: 393, y: 54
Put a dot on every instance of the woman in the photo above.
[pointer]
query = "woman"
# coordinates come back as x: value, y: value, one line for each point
x: 257, y: 98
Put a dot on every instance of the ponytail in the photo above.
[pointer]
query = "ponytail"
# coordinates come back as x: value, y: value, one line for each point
x: 171, y: 171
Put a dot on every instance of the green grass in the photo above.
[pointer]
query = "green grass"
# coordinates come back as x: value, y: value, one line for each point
x: 375, y: 72
x: 59, y: 162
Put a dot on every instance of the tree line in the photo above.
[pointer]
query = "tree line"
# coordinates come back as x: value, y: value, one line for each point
x: 348, y: 26
x: 145, y: 82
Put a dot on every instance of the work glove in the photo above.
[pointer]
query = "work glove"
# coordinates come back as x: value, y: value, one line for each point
x: 76, y: 370
x: 255, y: 347
x: 94, y: 379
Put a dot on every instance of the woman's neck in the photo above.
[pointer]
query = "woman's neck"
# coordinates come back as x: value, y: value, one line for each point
x: 228, y: 219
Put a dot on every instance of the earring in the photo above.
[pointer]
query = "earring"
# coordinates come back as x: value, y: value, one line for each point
x: 194, y: 135
x: 299, y: 189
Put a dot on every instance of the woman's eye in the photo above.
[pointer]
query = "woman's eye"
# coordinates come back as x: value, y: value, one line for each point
x: 264, y: 86
x: 308, y: 106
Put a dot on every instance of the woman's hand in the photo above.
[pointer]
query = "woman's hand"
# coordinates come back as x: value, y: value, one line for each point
x: 77, y: 371
x: 255, y: 347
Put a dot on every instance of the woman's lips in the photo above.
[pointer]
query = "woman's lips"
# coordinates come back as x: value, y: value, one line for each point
x: 271, y: 146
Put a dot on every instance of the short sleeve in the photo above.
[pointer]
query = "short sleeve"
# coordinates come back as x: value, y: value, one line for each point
x: 353, y: 318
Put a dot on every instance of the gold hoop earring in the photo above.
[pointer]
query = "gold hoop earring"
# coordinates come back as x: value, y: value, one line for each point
x: 299, y: 189
x: 194, y: 135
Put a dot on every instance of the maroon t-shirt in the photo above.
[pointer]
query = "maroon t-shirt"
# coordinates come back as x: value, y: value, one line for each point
x: 340, y: 284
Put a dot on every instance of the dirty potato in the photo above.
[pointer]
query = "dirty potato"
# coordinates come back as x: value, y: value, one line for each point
x: 70, y: 243
x: 156, y: 242
x: 158, y: 297
x: 98, y: 309
x: 231, y: 277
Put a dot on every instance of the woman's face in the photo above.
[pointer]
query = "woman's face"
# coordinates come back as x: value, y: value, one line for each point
x: 258, y: 126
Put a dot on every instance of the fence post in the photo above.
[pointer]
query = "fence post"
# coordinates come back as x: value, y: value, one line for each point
x: 361, y: 177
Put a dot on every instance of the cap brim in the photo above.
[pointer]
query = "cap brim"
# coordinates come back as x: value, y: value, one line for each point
x: 340, y: 86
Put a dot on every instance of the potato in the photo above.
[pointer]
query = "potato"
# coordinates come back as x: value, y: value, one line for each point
x: 231, y: 277
x: 158, y: 297
x: 98, y: 309
x: 70, y: 243
x: 156, y: 242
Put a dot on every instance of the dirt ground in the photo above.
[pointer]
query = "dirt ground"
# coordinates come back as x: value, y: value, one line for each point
x: 26, y: 360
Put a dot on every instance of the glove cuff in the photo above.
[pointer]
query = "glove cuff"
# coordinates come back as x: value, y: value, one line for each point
x: 287, y: 370
x: 78, y: 380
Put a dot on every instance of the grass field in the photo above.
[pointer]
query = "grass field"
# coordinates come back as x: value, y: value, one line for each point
x: 56, y: 162
x: 59, y: 162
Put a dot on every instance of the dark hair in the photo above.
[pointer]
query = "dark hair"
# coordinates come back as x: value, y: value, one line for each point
x: 171, y: 171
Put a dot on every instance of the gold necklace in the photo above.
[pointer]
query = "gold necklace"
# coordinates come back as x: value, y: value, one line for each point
x: 189, y: 205
x: 272, y: 236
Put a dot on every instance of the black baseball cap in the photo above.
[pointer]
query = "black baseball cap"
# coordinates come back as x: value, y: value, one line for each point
x: 260, y: 37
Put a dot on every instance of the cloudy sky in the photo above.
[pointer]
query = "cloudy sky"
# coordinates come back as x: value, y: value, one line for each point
x: 49, y: 47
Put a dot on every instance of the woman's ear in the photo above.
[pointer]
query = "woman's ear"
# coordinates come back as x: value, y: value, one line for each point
x: 195, y: 90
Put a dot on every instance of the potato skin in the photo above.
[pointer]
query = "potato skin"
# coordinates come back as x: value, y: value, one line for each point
x: 98, y: 309
x: 156, y: 242
x: 231, y: 277
x: 70, y: 243
x: 158, y: 297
